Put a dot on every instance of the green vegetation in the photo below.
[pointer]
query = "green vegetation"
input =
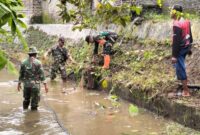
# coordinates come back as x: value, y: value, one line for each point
x: 133, y: 110
x: 166, y: 16
x: 4, y: 62
x: 3, y: 59
x: 160, y: 3
x: 106, y: 13
x: 155, y: 16
x: 141, y: 66
x: 177, y: 129
x: 114, y: 100
x: 40, y: 39
x: 10, y: 17
x: 46, y: 19
x: 136, y: 67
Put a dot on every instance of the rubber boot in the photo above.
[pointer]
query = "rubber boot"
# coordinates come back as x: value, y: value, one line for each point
x: 34, y: 109
x: 26, y: 104
x: 106, y: 62
x: 186, y: 92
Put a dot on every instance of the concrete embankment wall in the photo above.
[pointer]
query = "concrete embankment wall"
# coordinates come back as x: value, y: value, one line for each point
x: 159, y: 31
x: 47, y: 11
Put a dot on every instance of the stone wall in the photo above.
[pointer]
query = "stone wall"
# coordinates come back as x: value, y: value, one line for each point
x: 159, y: 31
x: 37, y: 12
x: 33, y: 10
x: 51, y: 11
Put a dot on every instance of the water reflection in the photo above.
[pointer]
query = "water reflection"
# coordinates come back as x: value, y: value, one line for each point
x: 31, y: 119
x: 91, y: 113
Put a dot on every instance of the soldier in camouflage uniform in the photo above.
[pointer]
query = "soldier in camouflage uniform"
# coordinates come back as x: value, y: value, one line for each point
x: 31, y: 75
x: 60, y: 56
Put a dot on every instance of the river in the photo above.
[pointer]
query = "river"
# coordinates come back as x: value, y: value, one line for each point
x: 79, y: 111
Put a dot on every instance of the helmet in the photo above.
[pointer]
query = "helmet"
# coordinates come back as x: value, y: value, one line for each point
x: 32, y: 50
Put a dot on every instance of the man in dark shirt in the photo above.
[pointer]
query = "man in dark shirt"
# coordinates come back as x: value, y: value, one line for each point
x: 96, y: 40
x: 60, y: 55
x: 106, y: 39
x: 182, y: 39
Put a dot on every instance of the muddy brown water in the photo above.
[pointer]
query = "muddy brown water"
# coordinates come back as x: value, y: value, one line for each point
x: 80, y: 111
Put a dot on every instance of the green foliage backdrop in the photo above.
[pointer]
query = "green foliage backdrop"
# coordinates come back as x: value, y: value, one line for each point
x: 10, y: 17
x: 105, y: 13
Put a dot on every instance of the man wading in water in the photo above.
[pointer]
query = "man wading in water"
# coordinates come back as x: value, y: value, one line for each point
x: 60, y: 56
x: 31, y: 75
x: 181, y: 45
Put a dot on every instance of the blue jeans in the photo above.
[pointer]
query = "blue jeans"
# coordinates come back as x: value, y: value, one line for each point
x: 180, y: 65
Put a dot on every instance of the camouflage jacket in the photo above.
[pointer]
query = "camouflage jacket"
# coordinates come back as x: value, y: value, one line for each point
x: 31, y: 72
x: 59, y: 54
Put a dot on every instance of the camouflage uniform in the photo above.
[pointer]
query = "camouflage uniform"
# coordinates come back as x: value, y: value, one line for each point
x: 31, y: 74
x: 60, y: 56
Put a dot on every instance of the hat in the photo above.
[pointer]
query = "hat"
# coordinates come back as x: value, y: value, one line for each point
x: 32, y: 50
x: 61, y: 39
x: 177, y: 8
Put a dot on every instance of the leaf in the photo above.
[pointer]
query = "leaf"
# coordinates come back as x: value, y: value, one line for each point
x: 80, y: 27
x: 104, y: 84
x: 116, y: 104
x: 5, y: 19
x: 66, y: 17
x: 11, y: 68
x: 13, y: 26
x: 20, y: 15
x: 160, y: 3
x: 123, y: 22
x: 22, y: 39
x: 4, y: 7
x: 2, y: 31
x: 2, y: 11
x: 21, y: 23
x: 113, y: 97
x: 133, y: 110
x: 138, y: 10
x: 3, y: 60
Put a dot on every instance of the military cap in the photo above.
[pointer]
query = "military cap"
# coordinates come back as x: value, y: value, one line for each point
x: 32, y: 50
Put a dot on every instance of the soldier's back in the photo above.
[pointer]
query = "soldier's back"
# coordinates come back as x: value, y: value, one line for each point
x: 30, y: 67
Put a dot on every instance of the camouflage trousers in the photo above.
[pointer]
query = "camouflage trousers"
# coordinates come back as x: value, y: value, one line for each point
x: 31, y: 95
x: 58, y: 68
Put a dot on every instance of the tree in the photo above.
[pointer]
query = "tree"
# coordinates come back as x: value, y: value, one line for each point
x: 105, y: 13
x: 10, y: 17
